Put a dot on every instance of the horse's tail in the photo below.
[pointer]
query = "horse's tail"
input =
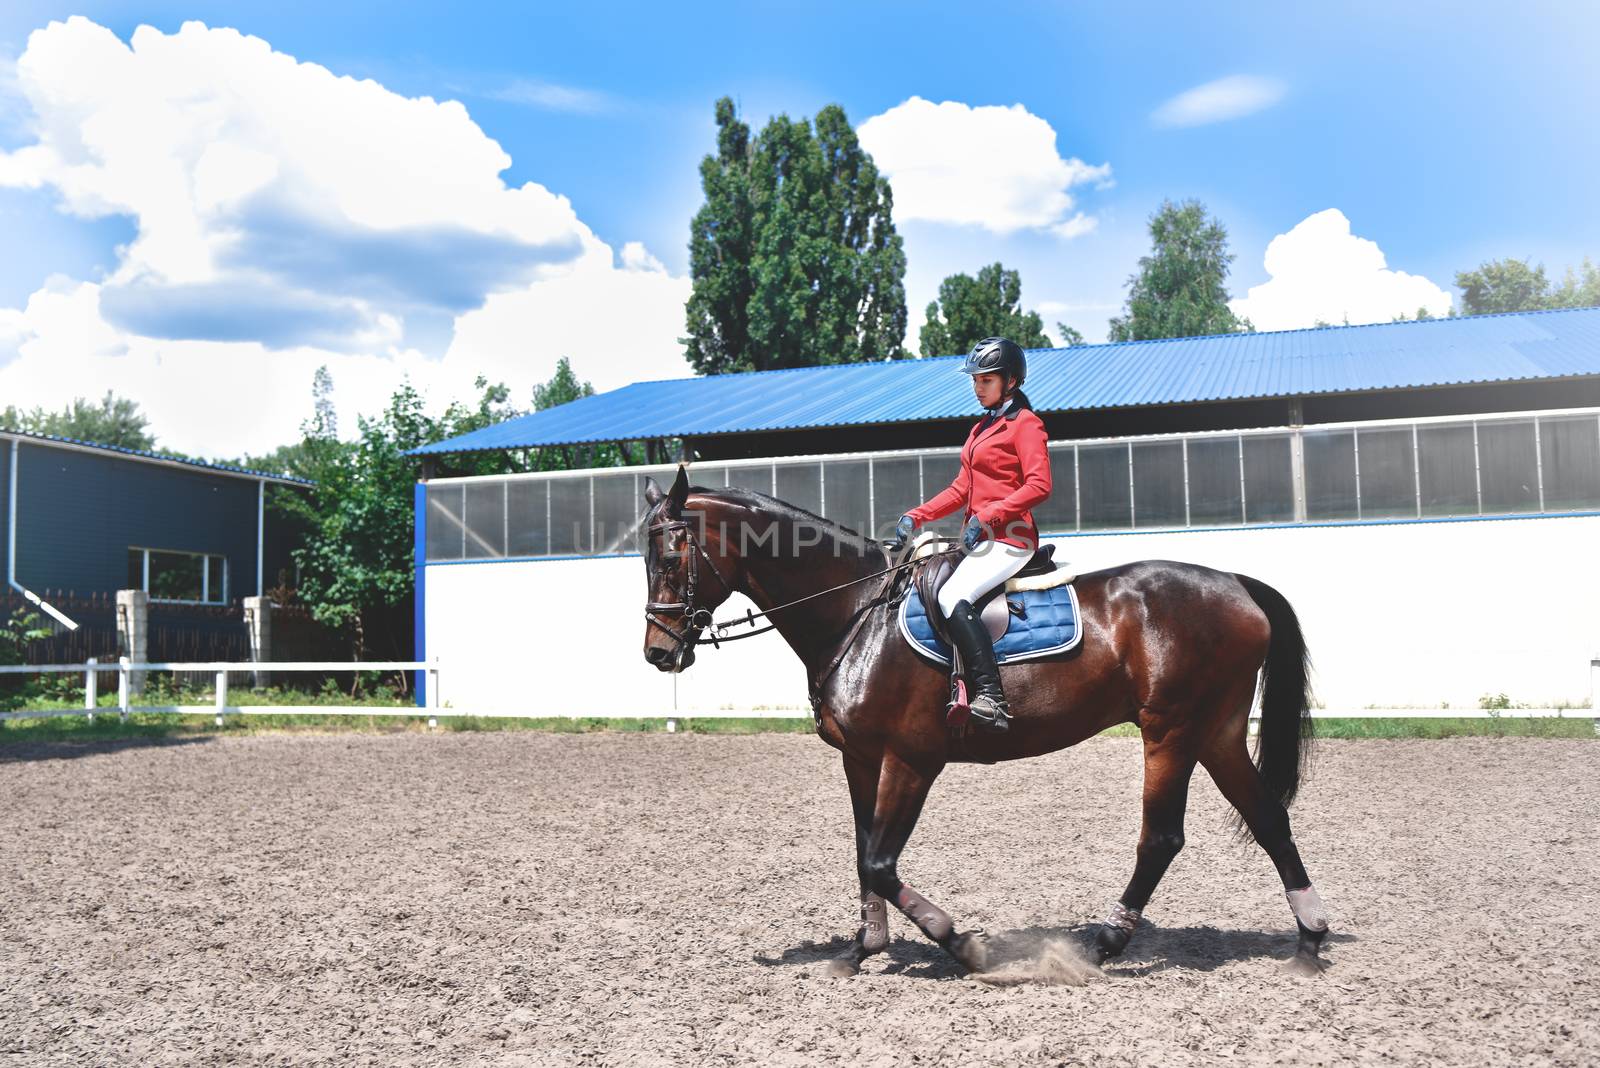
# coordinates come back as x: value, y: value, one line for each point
x: 1284, y: 747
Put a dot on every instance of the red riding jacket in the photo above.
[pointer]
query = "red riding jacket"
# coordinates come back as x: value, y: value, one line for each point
x: 1005, y: 472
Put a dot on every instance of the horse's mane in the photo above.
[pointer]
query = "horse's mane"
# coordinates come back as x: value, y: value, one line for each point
x: 783, y: 510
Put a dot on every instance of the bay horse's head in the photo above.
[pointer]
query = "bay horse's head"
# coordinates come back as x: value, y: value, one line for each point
x: 685, y: 583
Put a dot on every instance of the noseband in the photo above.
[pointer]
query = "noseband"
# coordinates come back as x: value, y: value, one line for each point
x: 694, y: 619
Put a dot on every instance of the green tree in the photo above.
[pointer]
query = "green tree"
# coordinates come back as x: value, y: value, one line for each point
x: 1506, y: 285
x: 1513, y: 285
x: 794, y: 254
x: 1181, y: 288
x: 970, y: 309
x: 356, y: 558
x: 113, y: 421
x: 564, y: 387
x: 1070, y: 338
x: 1579, y: 289
x: 721, y: 242
x: 17, y: 631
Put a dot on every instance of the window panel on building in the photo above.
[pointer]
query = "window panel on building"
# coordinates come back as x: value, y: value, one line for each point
x: 1059, y: 512
x: 569, y: 516
x: 1447, y: 468
x: 176, y: 576
x: 486, y: 520
x: 1103, y: 497
x: 896, y: 489
x: 1570, y: 455
x: 1388, y: 473
x: 707, y: 476
x: 1158, y: 484
x: 756, y: 477
x: 445, y: 521
x: 618, y: 505
x: 801, y: 485
x: 1330, y: 474
x: 1215, y: 494
x: 1508, y: 466
x: 527, y: 501
x: 845, y: 492
x: 1268, y: 478
x: 217, y: 579
x: 1269, y: 489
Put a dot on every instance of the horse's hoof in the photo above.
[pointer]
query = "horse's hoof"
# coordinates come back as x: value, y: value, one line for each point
x: 1110, y: 941
x: 840, y: 968
x: 971, y: 950
x: 1306, y: 964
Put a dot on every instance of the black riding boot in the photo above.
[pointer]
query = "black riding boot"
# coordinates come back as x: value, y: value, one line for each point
x: 988, y: 700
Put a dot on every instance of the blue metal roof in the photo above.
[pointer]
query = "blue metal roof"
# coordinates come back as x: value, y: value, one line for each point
x: 1337, y: 359
x: 139, y: 454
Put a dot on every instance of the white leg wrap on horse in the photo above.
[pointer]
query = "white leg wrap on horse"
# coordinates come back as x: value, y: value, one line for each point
x: 1307, y: 906
x: 1122, y: 916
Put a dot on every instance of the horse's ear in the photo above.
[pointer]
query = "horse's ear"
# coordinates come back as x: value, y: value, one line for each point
x: 652, y: 492
x: 680, y: 490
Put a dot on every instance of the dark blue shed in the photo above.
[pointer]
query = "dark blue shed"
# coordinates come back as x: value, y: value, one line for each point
x: 91, y: 519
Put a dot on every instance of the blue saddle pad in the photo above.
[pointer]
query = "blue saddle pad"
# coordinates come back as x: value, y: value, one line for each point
x: 1048, y: 625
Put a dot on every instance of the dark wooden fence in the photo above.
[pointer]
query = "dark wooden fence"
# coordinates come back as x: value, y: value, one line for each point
x: 178, y: 633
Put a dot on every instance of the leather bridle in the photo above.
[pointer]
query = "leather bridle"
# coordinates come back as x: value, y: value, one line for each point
x: 694, y: 619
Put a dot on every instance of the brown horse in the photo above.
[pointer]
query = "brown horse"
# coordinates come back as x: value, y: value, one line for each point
x: 1171, y: 647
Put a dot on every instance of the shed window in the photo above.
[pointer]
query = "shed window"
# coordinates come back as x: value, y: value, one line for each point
x: 196, y: 578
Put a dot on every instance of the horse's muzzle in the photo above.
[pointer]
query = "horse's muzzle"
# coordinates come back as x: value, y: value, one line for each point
x: 666, y: 659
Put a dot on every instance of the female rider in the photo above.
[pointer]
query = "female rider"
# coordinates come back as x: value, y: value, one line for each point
x: 1005, y: 473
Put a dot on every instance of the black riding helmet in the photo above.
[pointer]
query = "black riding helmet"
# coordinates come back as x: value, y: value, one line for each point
x: 997, y: 354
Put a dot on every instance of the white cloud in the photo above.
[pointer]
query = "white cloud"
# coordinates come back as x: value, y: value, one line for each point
x: 1076, y: 226
x: 994, y: 167
x: 287, y: 218
x: 201, y: 397
x: 548, y: 96
x: 1321, y: 271
x: 244, y: 168
x: 1232, y: 97
x: 616, y: 326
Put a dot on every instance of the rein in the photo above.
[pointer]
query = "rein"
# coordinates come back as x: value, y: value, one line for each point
x: 692, y: 616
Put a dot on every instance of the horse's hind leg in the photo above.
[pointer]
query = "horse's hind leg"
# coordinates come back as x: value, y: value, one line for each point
x: 1240, y: 782
x: 902, y: 788
x: 1168, y: 765
x: 873, y: 934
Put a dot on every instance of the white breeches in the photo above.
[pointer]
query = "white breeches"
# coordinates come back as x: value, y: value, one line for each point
x: 981, y: 571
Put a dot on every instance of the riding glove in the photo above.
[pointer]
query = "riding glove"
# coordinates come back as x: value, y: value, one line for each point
x: 973, y: 534
x: 903, y: 530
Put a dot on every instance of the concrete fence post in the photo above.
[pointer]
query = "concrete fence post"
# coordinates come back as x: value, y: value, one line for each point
x: 258, y: 621
x: 91, y: 687
x: 133, y: 633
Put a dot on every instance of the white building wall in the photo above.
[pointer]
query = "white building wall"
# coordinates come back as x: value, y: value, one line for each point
x: 1398, y: 614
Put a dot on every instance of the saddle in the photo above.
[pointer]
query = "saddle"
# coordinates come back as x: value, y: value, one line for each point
x: 994, y: 610
x: 1033, y: 614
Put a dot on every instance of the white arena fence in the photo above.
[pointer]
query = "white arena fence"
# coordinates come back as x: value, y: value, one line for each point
x: 425, y: 706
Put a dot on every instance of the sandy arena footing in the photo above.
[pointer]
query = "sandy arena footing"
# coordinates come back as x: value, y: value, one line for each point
x: 544, y: 899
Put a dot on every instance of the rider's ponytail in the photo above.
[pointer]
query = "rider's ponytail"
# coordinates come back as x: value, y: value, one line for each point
x: 1020, y: 400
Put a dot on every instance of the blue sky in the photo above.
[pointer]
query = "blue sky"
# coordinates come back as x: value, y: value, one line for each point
x: 1444, y: 134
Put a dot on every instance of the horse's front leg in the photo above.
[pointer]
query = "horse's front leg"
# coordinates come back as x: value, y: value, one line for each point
x: 873, y: 934
x: 902, y: 788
